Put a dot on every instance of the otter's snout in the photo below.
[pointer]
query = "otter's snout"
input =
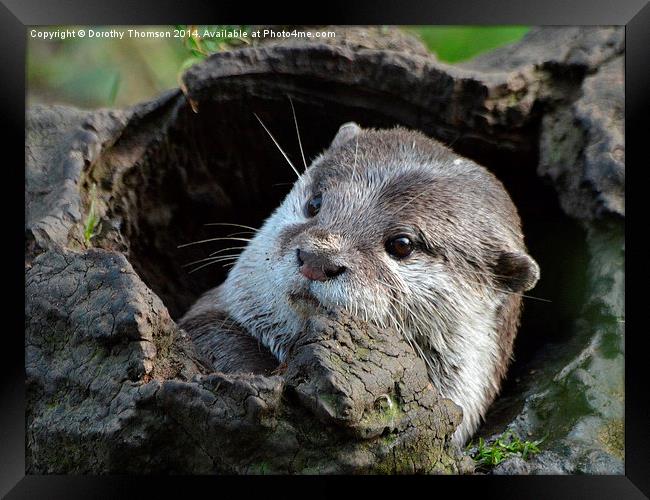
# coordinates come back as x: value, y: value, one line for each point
x: 318, y: 267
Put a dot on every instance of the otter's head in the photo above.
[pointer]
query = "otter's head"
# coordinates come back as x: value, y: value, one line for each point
x: 396, y: 229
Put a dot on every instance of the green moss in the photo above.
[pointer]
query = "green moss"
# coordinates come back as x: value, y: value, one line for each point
x: 389, y: 439
x: 362, y: 353
x: 419, y: 456
x: 387, y: 412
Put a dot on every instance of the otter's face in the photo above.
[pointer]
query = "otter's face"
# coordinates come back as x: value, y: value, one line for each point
x: 390, y: 226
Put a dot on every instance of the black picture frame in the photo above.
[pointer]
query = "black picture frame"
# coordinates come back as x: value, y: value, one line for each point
x: 17, y: 15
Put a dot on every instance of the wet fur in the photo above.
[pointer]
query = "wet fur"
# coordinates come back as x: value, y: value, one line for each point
x: 456, y: 299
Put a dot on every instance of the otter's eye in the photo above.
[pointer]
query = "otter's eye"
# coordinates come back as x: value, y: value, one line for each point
x: 313, y: 205
x: 399, y: 247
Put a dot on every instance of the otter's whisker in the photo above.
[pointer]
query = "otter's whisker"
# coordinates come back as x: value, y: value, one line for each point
x: 219, y: 258
x: 211, y: 239
x: 535, y: 298
x: 411, y: 341
x: 410, y: 201
x: 225, y: 249
x: 206, y: 259
x: 397, y: 290
x: 230, y: 224
x: 277, y: 145
x: 240, y: 233
x: 214, y: 261
x: 395, y: 325
x: 297, y: 132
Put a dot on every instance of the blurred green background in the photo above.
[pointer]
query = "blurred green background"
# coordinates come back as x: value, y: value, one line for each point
x: 91, y: 73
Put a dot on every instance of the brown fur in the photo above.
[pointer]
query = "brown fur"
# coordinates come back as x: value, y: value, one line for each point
x: 229, y: 347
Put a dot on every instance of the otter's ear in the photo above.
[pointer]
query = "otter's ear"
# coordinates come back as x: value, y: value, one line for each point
x: 516, y: 271
x: 346, y: 132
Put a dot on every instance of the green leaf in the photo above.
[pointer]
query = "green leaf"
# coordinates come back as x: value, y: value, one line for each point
x: 115, y: 88
x: 92, y: 220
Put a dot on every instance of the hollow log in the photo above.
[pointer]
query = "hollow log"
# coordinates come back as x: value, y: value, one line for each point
x: 115, y: 386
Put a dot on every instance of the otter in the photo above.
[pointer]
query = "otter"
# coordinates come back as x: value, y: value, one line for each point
x: 396, y: 229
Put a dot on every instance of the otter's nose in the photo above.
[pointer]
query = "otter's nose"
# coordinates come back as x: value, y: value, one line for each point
x: 317, y: 267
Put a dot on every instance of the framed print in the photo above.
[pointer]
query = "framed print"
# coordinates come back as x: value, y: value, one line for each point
x: 389, y: 244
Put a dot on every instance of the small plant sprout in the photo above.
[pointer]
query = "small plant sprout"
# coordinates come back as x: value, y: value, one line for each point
x: 493, y: 453
x: 92, y: 224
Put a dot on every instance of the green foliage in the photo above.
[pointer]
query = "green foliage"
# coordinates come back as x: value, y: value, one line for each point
x: 200, y: 46
x: 458, y: 43
x: 261, y: 468
x: 96, y: 72
x: 84, y: 72
x: 490, y: 454
x: 91, y: 226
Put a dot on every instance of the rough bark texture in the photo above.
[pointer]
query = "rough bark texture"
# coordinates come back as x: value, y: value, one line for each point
x: 114, y: 385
